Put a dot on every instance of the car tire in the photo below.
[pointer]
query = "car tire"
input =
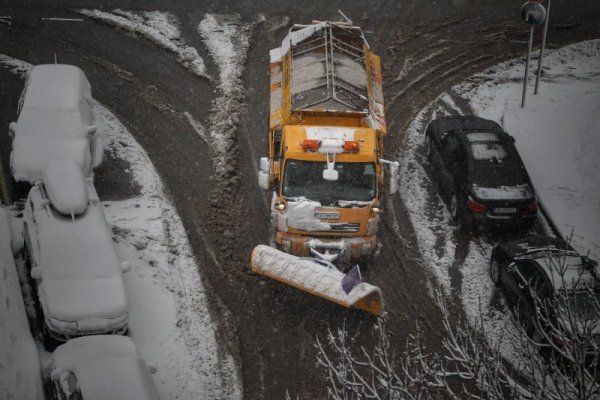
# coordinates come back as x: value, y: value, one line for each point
x: 454, y: 210
x: 495, y: 272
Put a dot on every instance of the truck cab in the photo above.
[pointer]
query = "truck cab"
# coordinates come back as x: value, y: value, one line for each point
x: 326, y: 131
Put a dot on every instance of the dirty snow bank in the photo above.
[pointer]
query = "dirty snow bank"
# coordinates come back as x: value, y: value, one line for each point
x: 161, y: 28
x: 228, y: 40
x: 427, y: 212
x: 557, y: 133
x: 20, y: 376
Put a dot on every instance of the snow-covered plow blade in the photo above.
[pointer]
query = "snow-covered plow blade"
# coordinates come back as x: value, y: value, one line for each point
x: 309, y: 276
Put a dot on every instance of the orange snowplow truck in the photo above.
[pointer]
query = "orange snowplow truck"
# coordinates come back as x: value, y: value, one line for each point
x: 326, y: 132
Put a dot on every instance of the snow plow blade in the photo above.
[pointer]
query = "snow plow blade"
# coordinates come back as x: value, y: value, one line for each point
x: 316, y: 279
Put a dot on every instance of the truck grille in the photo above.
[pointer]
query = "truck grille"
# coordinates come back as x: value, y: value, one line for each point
x: 345, y: 227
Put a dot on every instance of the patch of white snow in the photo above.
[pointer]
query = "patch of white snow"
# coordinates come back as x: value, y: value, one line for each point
x: 161, y: 28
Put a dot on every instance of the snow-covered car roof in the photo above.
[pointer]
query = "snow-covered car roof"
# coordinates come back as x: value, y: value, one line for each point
x: 81, y: 274
x: 107, y: 367
x: 65, y: 186
x: 58, y: 85
x: 51, y: 123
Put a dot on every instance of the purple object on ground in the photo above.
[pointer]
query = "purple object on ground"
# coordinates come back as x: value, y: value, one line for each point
x: 351, y: 279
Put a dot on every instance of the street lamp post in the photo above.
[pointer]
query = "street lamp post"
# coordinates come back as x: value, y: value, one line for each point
x: 534, y: 14
x: 545, y: 32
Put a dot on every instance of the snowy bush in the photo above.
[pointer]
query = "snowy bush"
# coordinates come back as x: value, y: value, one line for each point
x: 561, y: 363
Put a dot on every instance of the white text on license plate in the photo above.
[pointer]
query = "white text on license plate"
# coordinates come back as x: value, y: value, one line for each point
x: 327, y: 215
x: 505, y: 210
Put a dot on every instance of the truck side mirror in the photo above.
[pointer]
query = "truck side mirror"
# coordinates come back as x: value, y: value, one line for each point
x: 91, y: 129
x: 264, y: 174
x: 12, y: 129
x: 394, y: 182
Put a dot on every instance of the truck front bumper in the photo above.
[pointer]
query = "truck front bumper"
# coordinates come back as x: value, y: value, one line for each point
x: 344, y: 248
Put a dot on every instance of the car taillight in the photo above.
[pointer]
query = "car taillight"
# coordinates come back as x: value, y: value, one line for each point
x: 475, y: 206
x: 532, y: 208
x: 557, y: 341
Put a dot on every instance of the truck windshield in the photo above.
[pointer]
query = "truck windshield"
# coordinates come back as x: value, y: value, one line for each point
x: 356, y: 181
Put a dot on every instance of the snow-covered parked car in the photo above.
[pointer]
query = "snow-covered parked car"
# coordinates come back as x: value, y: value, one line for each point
x: 55, y: 122
x: 74, y: 264
x: 104, y: 367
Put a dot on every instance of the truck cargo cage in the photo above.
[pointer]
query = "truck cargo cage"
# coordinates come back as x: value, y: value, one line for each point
x: 328, y: 70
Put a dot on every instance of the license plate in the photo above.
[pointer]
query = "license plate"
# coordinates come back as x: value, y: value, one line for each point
x: 327, y: 215
x: 505, y: 210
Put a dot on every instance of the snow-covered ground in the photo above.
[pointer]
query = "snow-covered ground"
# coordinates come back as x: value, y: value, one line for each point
x: 20, y: 374
x: 557, y: 136
x: 169, y: 317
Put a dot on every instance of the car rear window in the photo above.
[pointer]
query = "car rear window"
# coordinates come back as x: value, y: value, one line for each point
x: 486, y: 146
x: 488, y: 150
x: 487, y: 174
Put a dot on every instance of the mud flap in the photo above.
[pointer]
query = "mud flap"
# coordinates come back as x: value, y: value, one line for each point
x: 314, y: 278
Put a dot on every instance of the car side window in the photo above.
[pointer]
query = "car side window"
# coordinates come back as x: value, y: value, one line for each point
x: 541, y: 287
x: 527, y: 272
x: 450, y: 146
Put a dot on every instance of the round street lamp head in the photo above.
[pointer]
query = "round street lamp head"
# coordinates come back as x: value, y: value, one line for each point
x: 533, y: 13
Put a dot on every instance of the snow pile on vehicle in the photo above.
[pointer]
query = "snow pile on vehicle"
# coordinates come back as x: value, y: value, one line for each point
x: 301, y: 215
x: 65, y: 186
x: 228, y: 40
x: 52, y: 124
x: 80, y: 285
x: 106, y: 367
x: 161, y: 28
x: 314, y: 278
x: 20, y: 376
x: 503, y: 192
x: 557, y: 133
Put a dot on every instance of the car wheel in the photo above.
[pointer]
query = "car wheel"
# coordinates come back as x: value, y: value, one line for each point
x: 454, y: 207
x: 495, y: 272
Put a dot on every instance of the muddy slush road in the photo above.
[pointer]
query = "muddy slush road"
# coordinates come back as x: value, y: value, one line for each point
x: 426, y: 47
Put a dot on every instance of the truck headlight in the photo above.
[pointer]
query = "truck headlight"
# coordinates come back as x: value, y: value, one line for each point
x: 372, y: 225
